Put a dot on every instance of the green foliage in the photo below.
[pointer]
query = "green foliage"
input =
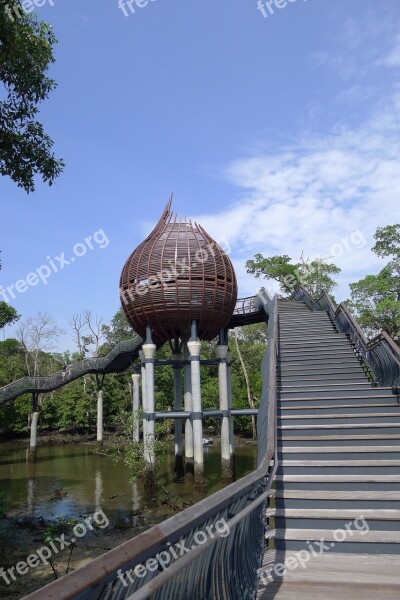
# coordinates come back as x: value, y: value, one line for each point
x: 122, y: 449
x: 55, y: 529
x: 52, y: 532
x: 375, y: 299
x: 314, y: 276
x: 118, y: 330
x: 74, y: 406
x: 8, y: 315
x: 26, y: 52
x: 387, y: 241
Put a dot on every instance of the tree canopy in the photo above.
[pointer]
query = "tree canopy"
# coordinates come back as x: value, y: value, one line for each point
x: 73, y: 407
x: 313, y: 275
x: 375, y: 299
x: 26, y: 52
x: 8, y: 314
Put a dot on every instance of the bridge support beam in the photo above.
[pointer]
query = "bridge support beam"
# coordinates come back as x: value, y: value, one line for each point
x: 188, y: 406
x: 135, y: 406
x: 177, y: 357
x: 149, y: 350
x: 194, y: 346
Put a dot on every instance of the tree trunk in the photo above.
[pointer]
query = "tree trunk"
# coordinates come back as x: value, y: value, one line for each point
x: 246, y: 377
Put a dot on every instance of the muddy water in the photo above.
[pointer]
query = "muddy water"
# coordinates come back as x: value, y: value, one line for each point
x: 72, y: 480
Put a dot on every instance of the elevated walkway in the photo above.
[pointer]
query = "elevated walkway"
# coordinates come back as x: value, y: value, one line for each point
x: 335, y: 511
x: 119, y: 359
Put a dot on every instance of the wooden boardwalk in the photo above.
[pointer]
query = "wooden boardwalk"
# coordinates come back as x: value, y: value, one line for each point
x: 331, y: 576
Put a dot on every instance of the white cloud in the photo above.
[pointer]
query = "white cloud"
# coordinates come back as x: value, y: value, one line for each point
x: 392, y: 58
x: 313, y: 196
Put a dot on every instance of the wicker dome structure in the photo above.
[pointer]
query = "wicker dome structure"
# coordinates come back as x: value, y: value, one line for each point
x: 176, y: 275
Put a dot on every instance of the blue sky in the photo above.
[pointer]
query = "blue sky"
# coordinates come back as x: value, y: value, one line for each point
x: 279, y: 134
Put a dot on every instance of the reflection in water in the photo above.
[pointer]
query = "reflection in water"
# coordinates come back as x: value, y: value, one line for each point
x: 72, y: 480
x: 31, y: 483
x: 99, y: 489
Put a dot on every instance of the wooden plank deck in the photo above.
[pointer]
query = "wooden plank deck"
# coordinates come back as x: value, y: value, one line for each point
x: 330, y: 576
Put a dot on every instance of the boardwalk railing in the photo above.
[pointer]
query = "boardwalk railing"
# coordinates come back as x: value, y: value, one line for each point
x: 209, y: 551
x: 380, y: 354
x: 247, y: 310
x: 103, y: 364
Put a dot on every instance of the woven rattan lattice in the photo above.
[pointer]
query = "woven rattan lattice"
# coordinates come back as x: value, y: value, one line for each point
x: 177, y: 275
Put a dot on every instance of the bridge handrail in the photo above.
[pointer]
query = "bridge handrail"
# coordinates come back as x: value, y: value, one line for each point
x: 381, y: 354
x: 49, y: 383
x: 222, y: 566
x: 246, y: 305
x: 70, y: 373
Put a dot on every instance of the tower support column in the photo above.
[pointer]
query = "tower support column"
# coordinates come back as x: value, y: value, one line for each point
x: 144, y: 403
x: 135, y: 406
x: 149, y: 350
x: 34, y: 429
x: 226, y: 443
x: 230, y: 403
x: 188, y: 406
x: 194, y: 347
x: 177, y: 358
x: 100, y: 426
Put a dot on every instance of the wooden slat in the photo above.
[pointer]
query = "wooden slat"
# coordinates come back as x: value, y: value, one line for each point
x: 338, y: 495
x: 383, y: 537
x: 341, y: 416
x: 338, y: 449
x: 334, y: 513
x: 336, y: 576
x: 390, y: 436
x: 342, y: 426
x: 347, y: 591
x: 340, y: 463
x: 340, y: 478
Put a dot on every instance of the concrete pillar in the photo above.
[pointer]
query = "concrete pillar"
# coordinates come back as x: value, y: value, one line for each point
x: 230, y: 402
x: 135, y: 406
x: 177, y: 403
x: 144, y: 405
x: 188, y: 406
x: 100, y: 417
x: 149, y: 350
x: 194, y: 346
x: 33, y: 439
x: 178, y: 422
x: 222, y: 351
x: 34, y: 429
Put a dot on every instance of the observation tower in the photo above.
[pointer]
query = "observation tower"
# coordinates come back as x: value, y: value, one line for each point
x: 179, y: 286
